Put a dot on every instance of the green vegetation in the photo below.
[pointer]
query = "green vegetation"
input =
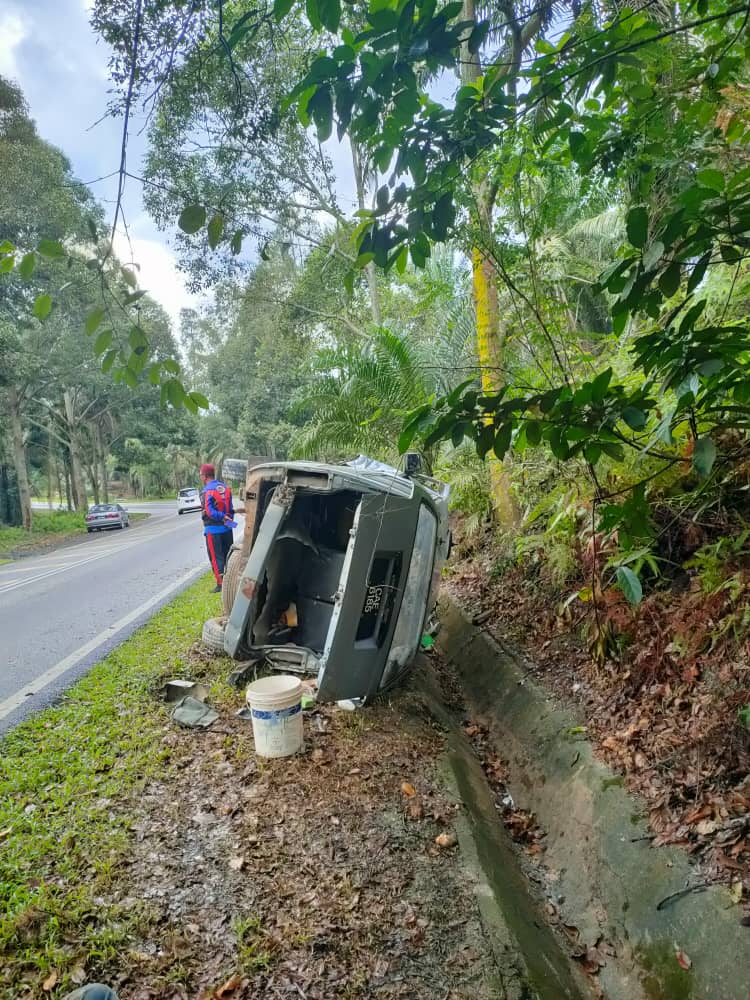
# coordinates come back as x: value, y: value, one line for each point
x: 49, y: 528
x: 69, y: 779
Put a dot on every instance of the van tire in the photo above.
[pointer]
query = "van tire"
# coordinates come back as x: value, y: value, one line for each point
x: 231, y: 581
x: 213, y: 634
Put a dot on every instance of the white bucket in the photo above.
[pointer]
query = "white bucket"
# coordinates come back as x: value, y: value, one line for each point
x: 276, y: 706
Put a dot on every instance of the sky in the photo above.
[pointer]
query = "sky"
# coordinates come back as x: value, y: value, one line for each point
x: 50, y: 50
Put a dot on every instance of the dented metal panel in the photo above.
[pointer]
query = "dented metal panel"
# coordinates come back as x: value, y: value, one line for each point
x: 330, y: 556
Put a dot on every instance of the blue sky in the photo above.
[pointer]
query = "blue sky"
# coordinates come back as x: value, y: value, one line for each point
x: 48, y: 47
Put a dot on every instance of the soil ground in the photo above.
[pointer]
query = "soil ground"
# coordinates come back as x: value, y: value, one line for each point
x: 314, y: 876
x: 174, y: 863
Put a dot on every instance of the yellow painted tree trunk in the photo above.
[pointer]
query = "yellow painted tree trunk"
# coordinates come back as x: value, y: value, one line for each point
x: 490, y: 331
x: 490, y: 343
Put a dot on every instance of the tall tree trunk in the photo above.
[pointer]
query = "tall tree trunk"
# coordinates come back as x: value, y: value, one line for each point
x: 68, y: 490
x: 102, y: 458
x: 18, y: 446
x: 371, y: 272
x: 490, y: 331
x: 80, y: 499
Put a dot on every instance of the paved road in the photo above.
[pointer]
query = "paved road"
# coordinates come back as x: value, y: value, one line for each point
x: 62, y: 611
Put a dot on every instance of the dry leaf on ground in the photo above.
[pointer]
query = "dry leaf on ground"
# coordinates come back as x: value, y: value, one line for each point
x: 445, y: 840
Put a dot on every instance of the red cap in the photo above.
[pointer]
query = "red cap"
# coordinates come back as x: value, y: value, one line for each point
x: 208, y: 470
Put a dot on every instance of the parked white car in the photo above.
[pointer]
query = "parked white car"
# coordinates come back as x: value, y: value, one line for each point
x: 188, y: 499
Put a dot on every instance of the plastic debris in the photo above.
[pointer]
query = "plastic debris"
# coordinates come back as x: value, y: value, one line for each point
x: 176, y: 690
x: 194, y: 714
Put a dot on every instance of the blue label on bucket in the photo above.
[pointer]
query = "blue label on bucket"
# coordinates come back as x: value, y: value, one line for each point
x: 277, y: 715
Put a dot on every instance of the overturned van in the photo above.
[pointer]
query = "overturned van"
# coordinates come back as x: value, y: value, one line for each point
x: 337, y: 572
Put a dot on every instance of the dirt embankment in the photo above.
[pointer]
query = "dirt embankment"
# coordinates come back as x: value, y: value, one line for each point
x: 664, y: 709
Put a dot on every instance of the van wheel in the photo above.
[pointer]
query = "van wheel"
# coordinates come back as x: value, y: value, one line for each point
x: 180, y: 512
x: 231, y: 582
x: 213, y: 634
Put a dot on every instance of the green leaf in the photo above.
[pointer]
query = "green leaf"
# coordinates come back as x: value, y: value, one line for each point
x: 154, y: 375
x: 443, y: 215
x: 93, y: 321
x: 42, y: 306
x: 634, y: 418
x: 26, y: 267
x: 281, y: 8
x: 533, y: 432
x: 132, y: 297
x: 502, y: 440
x: 669, y: 281
x: 175, y: 393
x: 313, y: 14
x: 653, y: 255
x: 199, y: 399
x: 215, y: 230
x: 698, y: 271
x: 600, y: 385
x: 330, y: 13
x: 102, y: 342
x: 236, y: 245
x: 579, y: 146
x: 192, y: 218
x: 108, y: 360
x: 636, y: 226
x: 713, y: 179
x: 629, y: 584
x: 6, y: 247
x: 704, y: 456
x: 51, y: 248
x: 729, y: 254
x: 7, y: 264
x: 128, y: 277
x: 171, y: 366
x: 320, y: 109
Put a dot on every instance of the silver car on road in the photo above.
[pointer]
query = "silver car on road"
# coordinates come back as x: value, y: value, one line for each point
x: 106, y: 515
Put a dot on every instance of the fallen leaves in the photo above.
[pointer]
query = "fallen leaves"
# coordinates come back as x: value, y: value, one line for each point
x: 227, y: 988
x: 50, y: 982
x: 446, y: 840
x: 665, y: 717
x: 683, y: 960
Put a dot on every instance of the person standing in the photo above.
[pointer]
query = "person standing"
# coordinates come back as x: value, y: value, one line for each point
x: 217, y: 512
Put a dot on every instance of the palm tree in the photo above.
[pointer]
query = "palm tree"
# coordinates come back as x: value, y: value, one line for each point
x: 360, y: 393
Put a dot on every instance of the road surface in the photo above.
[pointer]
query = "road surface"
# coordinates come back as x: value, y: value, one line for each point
x: 62, y: 611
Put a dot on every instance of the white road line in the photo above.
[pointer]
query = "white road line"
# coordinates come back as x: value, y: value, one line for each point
x: 43, y: 680
x: 5, y: 588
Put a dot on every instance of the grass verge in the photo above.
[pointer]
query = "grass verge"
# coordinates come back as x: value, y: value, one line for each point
x: 48, y: 528
x: 67, y: 778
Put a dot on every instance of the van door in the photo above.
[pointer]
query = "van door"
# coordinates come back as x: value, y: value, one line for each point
x: 369, y: 597
x: 246, y: 601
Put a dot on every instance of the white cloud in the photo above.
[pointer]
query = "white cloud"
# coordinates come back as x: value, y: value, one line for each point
x: 12, y: 33
x: 158, y: 274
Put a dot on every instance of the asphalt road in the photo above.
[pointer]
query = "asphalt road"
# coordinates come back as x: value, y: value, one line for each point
x: 62, y: 611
